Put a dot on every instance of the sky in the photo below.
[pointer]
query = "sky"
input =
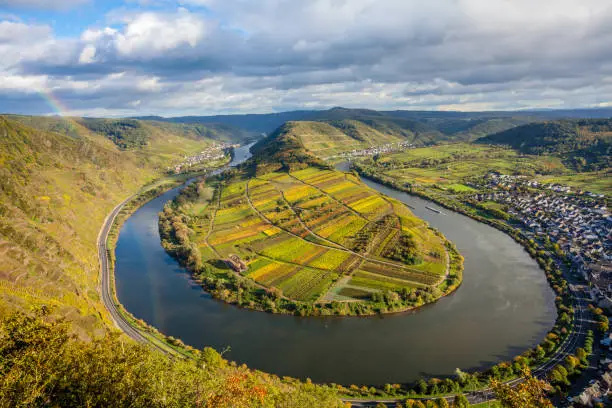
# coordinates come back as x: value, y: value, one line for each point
x: 203, y: 57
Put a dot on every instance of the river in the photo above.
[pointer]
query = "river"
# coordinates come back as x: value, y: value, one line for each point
x: 503, y: 307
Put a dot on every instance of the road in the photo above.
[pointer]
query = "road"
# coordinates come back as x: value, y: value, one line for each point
x: 568, y: 347
x: 106, y: 290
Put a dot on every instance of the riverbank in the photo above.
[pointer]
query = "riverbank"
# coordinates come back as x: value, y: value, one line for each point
x: 567, y: 335
x: 138, y: 329
x: 187, y: 225
x: 154, y: 288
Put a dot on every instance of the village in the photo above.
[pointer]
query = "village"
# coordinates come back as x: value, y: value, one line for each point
x: 374, y: 150
x: 216, y: 151
x: 577, y: 221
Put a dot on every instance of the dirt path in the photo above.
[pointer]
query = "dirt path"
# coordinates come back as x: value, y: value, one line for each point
x: 211, y: 227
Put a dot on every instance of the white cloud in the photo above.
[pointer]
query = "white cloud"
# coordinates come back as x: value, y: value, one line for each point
x: 284, y: 54
x: 150, y: 33
x: 88, y: 54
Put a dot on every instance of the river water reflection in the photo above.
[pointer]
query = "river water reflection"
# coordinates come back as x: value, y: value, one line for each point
x: 503, y: 307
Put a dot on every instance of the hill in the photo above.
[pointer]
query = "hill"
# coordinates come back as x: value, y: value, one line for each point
x: 584, y: 144
x: 305, y: 141
x: 130, y: 134
x: 282, y: 150
x: 56, y: 188
x: 254, y: 123
x: 453, y: 125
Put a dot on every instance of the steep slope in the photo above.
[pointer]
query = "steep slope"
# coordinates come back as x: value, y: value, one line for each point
x: 284, y: 149
x: 131, y: 134
x: 55, y: 191
x: 330, y: 138
x: 584, y: 144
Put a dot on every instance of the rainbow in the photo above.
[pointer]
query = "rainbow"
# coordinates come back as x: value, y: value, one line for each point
x: 54, y: 103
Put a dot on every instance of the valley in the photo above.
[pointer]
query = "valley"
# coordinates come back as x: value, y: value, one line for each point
x: 286, y: 233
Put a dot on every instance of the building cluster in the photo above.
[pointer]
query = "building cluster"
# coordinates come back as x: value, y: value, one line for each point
x: 599, y: 391
x: 214, y: 152
x: 237, y: 264
x: 374, y: 150
x: 578, y: 222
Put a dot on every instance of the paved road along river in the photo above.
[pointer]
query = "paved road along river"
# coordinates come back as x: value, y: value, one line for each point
x: 503, y: 307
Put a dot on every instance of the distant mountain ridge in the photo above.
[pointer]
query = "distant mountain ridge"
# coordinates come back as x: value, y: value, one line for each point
x: 463, y: 125
x: 584, y: 144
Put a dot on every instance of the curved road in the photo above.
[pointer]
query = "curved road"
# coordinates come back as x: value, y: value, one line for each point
x: 568, y: 347
x: 107, y: 293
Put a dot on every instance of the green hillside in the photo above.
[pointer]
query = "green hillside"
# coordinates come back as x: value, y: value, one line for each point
x: 301, y: 142
x: 55, y: 191
x: 585, y: 144
x: 284, y: 149
x: 131, y: 134
x: 419, y: 127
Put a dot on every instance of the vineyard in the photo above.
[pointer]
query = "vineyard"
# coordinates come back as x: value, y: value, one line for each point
x: 315, y: 236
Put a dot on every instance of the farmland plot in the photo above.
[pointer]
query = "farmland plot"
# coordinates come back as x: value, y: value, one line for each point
x: 317, y: 235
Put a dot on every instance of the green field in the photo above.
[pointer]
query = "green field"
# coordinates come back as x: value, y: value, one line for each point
x: 308, y: 233
x: 450, y: 166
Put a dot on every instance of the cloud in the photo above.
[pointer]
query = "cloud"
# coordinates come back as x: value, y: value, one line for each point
x: 280, y: 54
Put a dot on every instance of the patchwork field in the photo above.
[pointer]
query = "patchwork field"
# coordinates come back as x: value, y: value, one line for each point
x: 448, y: 165
x: 315, y: 236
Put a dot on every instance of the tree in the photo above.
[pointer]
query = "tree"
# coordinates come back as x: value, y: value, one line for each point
x: 443, y: 403
x: 603, y: 326
x: 558, y: 375
x: 461, y: 401
x: 42, y: 364
x: 539, y: 353
x: 530, y: 393
x: 422, y: 386
x: 461, y: 376
x: 582, y: 355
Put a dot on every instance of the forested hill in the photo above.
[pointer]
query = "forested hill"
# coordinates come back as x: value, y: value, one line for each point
x: 134, y: 134
x: 439, y: 125
x: 338, y: 132
x: 429, y: 126
x: 284, y: 150
x: 56, y: 188
x: 584, y: 144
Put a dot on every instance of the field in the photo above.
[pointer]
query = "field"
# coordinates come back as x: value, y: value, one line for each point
x: 315, y: 235
x: 450, y: 166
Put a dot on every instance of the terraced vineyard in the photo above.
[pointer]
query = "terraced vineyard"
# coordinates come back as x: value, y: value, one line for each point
x: 311, y: 240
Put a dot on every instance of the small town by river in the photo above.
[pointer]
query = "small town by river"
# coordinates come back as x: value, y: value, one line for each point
x: 503, y: 307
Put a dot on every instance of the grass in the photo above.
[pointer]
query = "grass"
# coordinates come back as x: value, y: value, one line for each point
x: 598, y: 182
x: 299, y: 235
x: 450, y: 164
x: 58, y: 182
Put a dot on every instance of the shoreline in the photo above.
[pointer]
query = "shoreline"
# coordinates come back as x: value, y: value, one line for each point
x: 290, y: 307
